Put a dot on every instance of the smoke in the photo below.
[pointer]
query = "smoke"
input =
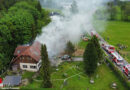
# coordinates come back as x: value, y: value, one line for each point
x: 77, y: 19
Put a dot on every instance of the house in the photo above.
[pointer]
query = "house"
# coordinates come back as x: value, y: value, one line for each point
x: 12, y: 81
x: 27, y: 57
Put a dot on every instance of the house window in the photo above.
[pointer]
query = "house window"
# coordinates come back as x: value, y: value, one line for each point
x: 33, y: 67
x: 39, y: 64
x: 25, y: 66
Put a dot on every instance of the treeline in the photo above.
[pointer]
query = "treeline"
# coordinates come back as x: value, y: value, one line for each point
x: 5, y: 4
x: 20, y: 25
x: 119, y: 11
x: 116, y: 10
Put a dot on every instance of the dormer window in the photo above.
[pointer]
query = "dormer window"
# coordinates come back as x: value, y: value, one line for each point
x: 18, y: 51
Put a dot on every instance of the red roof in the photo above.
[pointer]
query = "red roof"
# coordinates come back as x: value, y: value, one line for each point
x: 33, y: 51
x: 20, y: 49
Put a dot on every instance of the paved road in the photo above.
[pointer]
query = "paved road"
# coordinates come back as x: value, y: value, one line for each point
x: 77, y: 59
x: 110, y: 57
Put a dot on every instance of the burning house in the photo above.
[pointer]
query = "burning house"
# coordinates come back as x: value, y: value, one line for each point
x: 27, y: 57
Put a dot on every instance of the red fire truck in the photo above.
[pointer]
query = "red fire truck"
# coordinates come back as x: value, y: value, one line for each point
x: 126, y: 69
x: 110, y: 49
x: 94, y: 33
x: 117, y: 58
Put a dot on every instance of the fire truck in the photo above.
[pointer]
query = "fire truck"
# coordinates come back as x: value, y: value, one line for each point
x: 126, y: 69
x: 94, y: 33
x: 117, y: 58
x: 108, y: 48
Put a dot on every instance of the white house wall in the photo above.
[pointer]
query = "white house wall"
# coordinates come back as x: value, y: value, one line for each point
x: 28, y: 67
x: 39, y: 64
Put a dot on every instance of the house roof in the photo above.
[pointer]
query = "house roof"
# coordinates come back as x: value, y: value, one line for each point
x: 33, y: 51
x: 12, y: 80
x: 20, y: 49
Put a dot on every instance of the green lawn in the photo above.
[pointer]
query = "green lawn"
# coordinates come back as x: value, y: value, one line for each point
x: 118, y: 33
x: 82, y: 44
x: 27, y: 74
x: 78, y: 80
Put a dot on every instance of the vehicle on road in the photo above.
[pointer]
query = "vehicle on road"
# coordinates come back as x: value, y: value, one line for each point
x: 94, y: 33
x: 117, y: 58
x: 108, y: 48
x: 126, y: 69
x: 66, y: 57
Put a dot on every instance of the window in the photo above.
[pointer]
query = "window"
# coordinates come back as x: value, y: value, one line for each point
x: 32, y: 67
x: 24, y: 66
x: 39, y: 64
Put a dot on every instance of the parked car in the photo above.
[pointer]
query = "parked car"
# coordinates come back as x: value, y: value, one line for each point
x: 66, y: 57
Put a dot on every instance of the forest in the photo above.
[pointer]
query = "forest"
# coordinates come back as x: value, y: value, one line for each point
x: 119, y: 10
x: 20, y: 22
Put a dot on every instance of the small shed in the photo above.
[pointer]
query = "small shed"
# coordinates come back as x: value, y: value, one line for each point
x: 12, y: 81
x: 1, y: 83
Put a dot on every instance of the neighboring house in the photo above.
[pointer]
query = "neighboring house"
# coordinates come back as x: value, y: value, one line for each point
x: 27, y: 57
x: 12, y: 81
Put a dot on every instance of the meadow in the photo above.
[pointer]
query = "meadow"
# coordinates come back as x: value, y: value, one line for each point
x: 118, y: 32
x: 70, y: 75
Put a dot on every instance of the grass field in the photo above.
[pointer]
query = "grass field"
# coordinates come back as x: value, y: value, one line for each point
x: 82, y: 44
x: 118, y: 33
x: 76, y: 79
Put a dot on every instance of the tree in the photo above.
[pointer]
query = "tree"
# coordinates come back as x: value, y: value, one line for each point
x: 98, y: 48
x: 45, y: 68
x: 74, y: 7
x: 70, y: 49
x: 127, y: 12
x: 20, y: 25
x: 112, y: 10
x: 90, y: 59
x: 39, y: 6
x: 5, y: 4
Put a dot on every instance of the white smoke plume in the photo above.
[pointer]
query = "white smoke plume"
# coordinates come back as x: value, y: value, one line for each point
x: 69, y: 27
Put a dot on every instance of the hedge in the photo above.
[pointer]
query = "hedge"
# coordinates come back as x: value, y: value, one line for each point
x: 118, y: 73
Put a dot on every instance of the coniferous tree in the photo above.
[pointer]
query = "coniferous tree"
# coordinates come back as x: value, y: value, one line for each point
x: 45, y: 68
x: 98, y: 48
x: 70, y: 49
x: 74, y: 7
x: 90, y: 59
x: 39, y: 6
